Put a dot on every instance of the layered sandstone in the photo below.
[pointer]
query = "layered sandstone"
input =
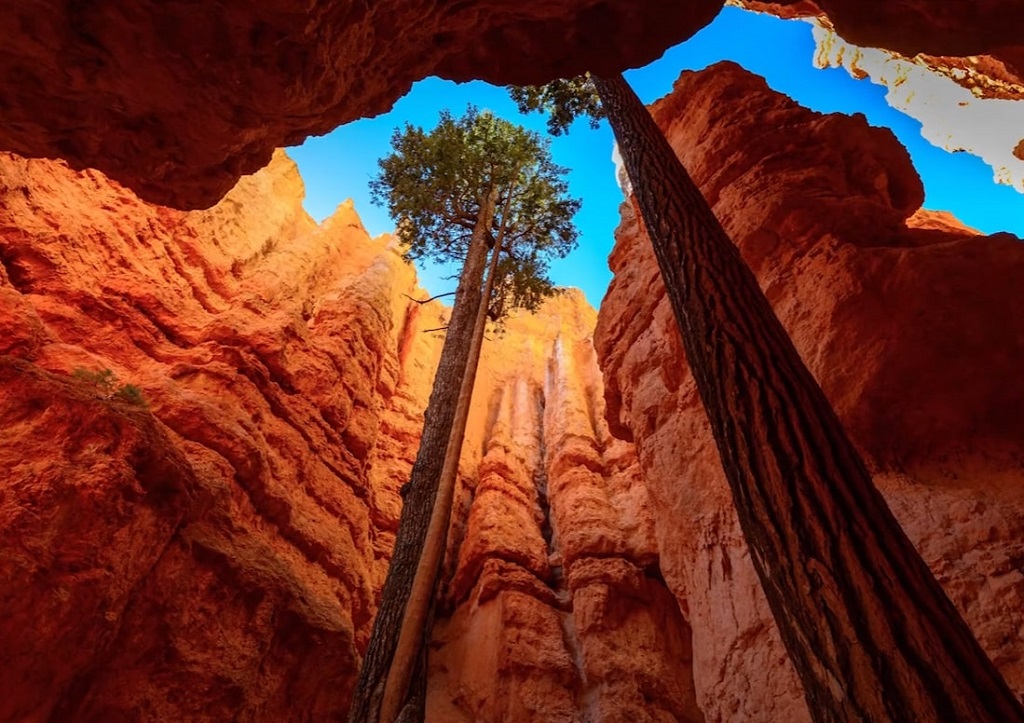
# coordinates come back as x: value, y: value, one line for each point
x: 217, y: 551
x: 557, y: 610
x: 910, y: 322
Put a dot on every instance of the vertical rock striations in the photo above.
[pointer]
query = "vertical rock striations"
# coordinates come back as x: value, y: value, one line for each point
x: 215, y: 553
x: 557, y: 609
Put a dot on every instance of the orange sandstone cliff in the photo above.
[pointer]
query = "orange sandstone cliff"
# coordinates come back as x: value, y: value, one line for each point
x: 216, y: 553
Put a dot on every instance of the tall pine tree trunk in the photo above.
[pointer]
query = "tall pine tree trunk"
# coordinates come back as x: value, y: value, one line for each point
x: 872, y: 635
x: 414, y: 623
x: 426, y: 472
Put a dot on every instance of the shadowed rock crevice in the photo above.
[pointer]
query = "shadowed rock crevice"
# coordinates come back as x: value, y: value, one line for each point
x: 178, y: 100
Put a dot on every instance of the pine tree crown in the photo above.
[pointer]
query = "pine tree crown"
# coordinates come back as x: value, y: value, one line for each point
x: 435, y: 185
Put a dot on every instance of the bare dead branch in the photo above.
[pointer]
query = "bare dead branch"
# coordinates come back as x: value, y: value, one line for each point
x: 432, y: 298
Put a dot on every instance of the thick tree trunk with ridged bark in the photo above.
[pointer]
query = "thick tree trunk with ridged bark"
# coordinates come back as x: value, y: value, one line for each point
x: 415, y: 628
x: 870, y: 631
x: 421, y: 490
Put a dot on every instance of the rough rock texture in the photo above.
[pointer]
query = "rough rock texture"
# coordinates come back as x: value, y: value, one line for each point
x: 964, y: 104
x: 910, y: 321
x: 177, y: 99
x: 217, y: 553
x: 556, y: 609
x: 214, y: 555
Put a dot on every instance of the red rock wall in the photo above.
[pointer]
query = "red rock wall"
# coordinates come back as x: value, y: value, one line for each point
x: 177, y: 99
x: 912, y: 324
x: 557, y: 610
x: 215, y: 555
x: 218, y: 553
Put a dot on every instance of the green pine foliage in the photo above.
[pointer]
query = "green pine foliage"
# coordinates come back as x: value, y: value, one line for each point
x: 104, y: 385
x: 564, y: 101
x: 435, y: 185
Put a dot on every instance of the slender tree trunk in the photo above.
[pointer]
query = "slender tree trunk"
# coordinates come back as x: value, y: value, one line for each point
x: 871, y: 633
x: 414, y: 623
x: 426, y: 472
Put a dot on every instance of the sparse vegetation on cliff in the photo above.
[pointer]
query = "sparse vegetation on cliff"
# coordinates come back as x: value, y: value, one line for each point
x: 105, y: 385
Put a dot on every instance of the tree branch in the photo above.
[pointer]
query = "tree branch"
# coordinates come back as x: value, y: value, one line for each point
x: 432, y: 298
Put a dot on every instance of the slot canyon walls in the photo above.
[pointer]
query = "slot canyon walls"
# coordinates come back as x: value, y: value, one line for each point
x: 908, y: 319
x: 177, y: 100
x: 216, y: 554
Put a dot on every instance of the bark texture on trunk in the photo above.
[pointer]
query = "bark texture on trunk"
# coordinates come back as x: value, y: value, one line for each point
x: 414, y: 626
x: 423, y: 481
x: 870, y: 631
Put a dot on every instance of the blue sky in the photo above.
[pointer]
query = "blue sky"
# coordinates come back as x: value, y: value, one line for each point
x: 340, y: 164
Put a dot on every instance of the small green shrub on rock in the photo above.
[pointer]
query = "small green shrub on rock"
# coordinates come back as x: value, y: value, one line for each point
x: 104, y: 384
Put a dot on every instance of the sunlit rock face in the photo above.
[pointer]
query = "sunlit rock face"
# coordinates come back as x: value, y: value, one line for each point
x: 962, y: 104
x: 556, y: 609
x: 964, y: 92
x: 217, y: 553
x: 912, y: 323
x: 177, y: 99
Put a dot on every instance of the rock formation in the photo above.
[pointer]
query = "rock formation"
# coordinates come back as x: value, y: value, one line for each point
x: 965, y: 104
x: 913, y: 26
x: 216, y: 551
x: 557, y: 610
x: 178, y: 100
x: 895, y: 310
